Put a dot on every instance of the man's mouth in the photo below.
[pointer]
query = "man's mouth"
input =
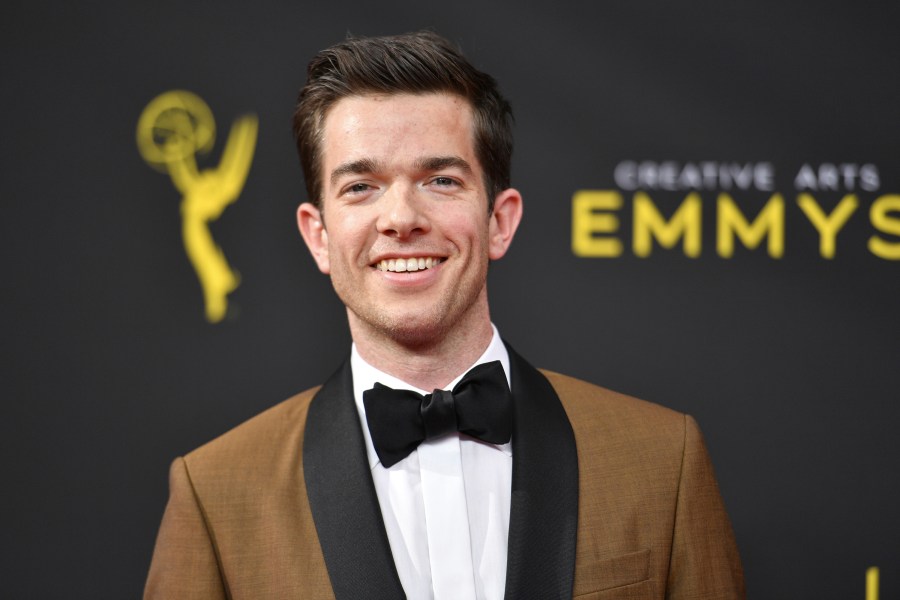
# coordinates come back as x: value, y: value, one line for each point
x: 403, y: 265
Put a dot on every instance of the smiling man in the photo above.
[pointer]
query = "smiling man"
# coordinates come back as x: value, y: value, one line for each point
x: 436, y: 462
x: 403, y: 186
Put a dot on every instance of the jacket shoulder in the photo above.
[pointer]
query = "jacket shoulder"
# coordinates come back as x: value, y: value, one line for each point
x: 258, y: 443
x: 602, y: 414
x: 244, y: 493
x: 647, y: 493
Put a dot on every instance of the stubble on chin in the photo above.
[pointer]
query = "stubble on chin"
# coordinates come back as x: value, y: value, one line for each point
x: 421, y: 328
x: 413, y: 331
x: 433, y: 324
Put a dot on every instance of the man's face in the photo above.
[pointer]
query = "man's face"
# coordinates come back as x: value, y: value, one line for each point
x: 404, y: 230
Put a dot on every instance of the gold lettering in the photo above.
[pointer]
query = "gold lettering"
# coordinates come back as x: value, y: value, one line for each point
x: 172, y: 130
x: 880, y: 215
x: 768, y: 223
x: 590, y: 216
x: 828, y: 226
x: 649, y: 224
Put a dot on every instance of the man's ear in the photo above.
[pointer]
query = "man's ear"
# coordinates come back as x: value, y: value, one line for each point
x: 504, y: 222
x: 312, y: 228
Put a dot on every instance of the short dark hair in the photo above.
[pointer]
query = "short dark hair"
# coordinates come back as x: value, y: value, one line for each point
x: 414, y: 63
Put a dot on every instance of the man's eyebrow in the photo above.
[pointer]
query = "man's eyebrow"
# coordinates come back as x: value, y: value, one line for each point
x: 436, y: 163
x: 356, y: 167
x: 430, y: 163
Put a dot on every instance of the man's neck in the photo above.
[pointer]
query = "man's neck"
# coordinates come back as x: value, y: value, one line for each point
x: 425, y: 365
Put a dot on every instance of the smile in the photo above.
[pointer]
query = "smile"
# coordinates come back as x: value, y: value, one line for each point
x: 402, y: 265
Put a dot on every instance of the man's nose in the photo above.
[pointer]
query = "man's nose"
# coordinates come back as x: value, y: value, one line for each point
x: 402, y: 212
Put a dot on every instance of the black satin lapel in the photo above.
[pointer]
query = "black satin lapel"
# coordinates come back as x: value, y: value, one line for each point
x: 543, y: 521
x: 342, y: 496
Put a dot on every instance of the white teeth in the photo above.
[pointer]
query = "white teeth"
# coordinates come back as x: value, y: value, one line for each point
x: 402, y: 265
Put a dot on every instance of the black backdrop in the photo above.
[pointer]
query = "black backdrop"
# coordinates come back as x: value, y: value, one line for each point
x: 790, y: 364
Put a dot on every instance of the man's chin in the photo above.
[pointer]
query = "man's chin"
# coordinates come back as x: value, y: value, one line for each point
x: 414, y: 331
x: 421, y: 333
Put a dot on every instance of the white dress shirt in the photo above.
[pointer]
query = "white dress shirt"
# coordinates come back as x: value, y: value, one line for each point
x: 446, y: 505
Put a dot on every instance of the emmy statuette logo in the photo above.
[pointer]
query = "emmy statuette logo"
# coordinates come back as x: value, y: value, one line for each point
x: 173, y: 129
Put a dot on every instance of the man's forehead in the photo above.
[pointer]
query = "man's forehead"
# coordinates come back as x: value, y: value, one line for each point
x: 412, y: 97
x: 373, y: 110
x: 361, y: 132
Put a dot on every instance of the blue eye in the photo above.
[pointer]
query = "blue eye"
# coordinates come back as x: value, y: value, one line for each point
x: 358, y: 187
x: 444, y: 181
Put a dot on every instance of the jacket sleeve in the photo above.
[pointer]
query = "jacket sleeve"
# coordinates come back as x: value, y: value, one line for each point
x: 705, y: 563
x: 184, y: 561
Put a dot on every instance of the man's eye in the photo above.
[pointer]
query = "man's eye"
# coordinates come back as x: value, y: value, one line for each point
x: 357, y: 188
x: 444, y: 181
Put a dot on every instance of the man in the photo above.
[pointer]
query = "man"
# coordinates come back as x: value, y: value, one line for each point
x: 557, y: 489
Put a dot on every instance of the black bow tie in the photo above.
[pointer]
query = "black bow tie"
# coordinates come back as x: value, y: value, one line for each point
x: 480, y: 405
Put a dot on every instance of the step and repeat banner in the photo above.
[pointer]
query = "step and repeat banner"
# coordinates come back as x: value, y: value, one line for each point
x: 712, y: 223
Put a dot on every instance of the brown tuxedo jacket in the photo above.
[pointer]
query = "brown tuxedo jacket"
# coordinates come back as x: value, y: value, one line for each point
x: 613, y: 498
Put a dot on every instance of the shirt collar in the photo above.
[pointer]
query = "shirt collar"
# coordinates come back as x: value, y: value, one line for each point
x: 365, y: 376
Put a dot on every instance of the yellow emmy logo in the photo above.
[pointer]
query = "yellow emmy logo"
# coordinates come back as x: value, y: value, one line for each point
x: 173, y: 129
x: 872, y: 583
